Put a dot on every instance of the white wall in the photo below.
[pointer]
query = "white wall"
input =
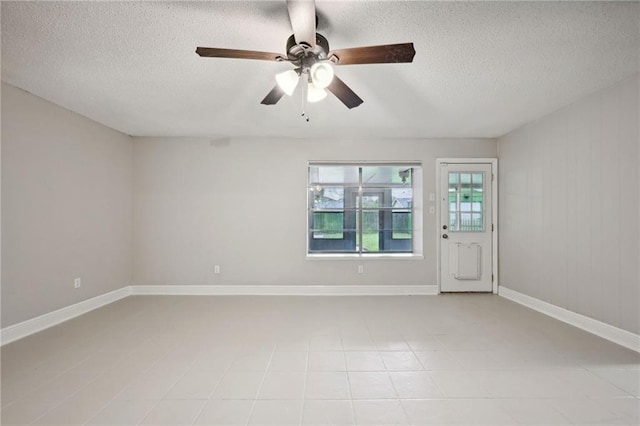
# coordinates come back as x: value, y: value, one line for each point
x: 66, y: 207
x: 570, y: 207
x: 241, y: 204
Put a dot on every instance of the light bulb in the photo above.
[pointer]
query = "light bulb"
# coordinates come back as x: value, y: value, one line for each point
x: 321, y: 74
x: 314, y: 93
x: 287, y: 81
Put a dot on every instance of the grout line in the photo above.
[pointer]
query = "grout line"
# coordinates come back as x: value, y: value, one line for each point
x: 424, y: 367
x: 128, y: 384
x: 68, y: 397
x: 264, y: 376
x: 212, y: 390
x: 215, y: 388
x: 393, y: 385
x: 304, y: 386
x: 168, y: 390
x: 346, y: 372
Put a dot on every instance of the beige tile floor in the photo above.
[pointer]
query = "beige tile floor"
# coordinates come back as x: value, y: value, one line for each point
x: 451, y: 359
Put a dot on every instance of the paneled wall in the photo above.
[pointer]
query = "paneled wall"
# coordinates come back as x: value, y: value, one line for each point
x: 570, y: 207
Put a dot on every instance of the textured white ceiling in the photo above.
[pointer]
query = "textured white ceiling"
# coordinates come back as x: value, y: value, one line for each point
x: 481, y: 68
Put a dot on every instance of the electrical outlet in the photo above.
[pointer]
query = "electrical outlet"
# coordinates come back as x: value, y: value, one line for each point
x: 361, y: 269
x: 77, y: 283
x: 216, y: 269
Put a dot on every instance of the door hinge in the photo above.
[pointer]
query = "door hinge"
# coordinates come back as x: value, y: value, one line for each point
x: 492, y: 228
x: 491, y: 277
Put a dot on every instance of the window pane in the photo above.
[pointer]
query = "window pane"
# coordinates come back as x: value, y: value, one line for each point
x: 375, y: 175
x: 476, y: 219
x: 372, y: 218
x: 371, y: 201
x: 360, y: 209
x: 328, y: 197
x: 402, y: 227
x: 466, y: 202
x: 333, y: 174
x: 402, y: 198
x: 328, y: 225
x: 477, y: 194
x: 387, y: 198
x: 370, y: 230
x: 453, y: 221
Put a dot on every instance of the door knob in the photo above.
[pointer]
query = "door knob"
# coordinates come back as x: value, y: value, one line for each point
x: 445, y: 236
x: 444, y: 227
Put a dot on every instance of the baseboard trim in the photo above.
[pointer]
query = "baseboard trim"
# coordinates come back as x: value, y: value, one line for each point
x: 34, y: 325
x: 285, y: 290
x: 23, y: 329
x: 617, y: 335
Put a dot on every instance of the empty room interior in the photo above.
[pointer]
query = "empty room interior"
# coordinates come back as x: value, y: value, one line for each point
x: 293, y: 212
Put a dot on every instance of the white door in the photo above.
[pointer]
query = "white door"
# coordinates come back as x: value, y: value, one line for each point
x: 465, y: 227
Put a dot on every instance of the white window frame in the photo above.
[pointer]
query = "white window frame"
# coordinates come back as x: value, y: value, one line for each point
x: 417, y: 213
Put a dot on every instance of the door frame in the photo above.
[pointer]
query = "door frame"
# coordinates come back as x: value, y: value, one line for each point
x: 494, y: 212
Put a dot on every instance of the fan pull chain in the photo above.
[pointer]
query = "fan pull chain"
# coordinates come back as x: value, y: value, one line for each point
x: 304, y: 97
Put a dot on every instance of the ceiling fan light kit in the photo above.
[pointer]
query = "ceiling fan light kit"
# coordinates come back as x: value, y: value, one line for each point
x: 321, y: 74
x: 315, y: 93
x: 288, y: 81
x: 309, y: 52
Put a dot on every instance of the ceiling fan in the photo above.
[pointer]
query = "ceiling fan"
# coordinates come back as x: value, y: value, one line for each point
x: 309, y: 53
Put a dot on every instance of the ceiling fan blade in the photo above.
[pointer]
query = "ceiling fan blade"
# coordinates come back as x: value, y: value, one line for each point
x: 302, y: 14
x: 344, y: 93
x: 214, y: 52
x: 387, y: 53
x: 273, y: 96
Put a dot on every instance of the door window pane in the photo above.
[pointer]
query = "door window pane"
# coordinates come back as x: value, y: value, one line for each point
x: 466, y: 202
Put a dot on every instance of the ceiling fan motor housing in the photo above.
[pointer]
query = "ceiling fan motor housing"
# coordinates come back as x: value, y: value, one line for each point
x: 305, y: 55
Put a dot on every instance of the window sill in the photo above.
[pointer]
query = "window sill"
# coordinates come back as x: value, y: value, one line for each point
x: 359, y: 257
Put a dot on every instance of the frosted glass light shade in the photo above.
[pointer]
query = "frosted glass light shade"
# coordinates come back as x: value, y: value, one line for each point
x: 315, y: 93
x: 287, y: 81
x: 321, y: 74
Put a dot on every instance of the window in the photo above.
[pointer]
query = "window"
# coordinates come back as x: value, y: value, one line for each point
x: 361, y: 208
x: 465, y: 202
